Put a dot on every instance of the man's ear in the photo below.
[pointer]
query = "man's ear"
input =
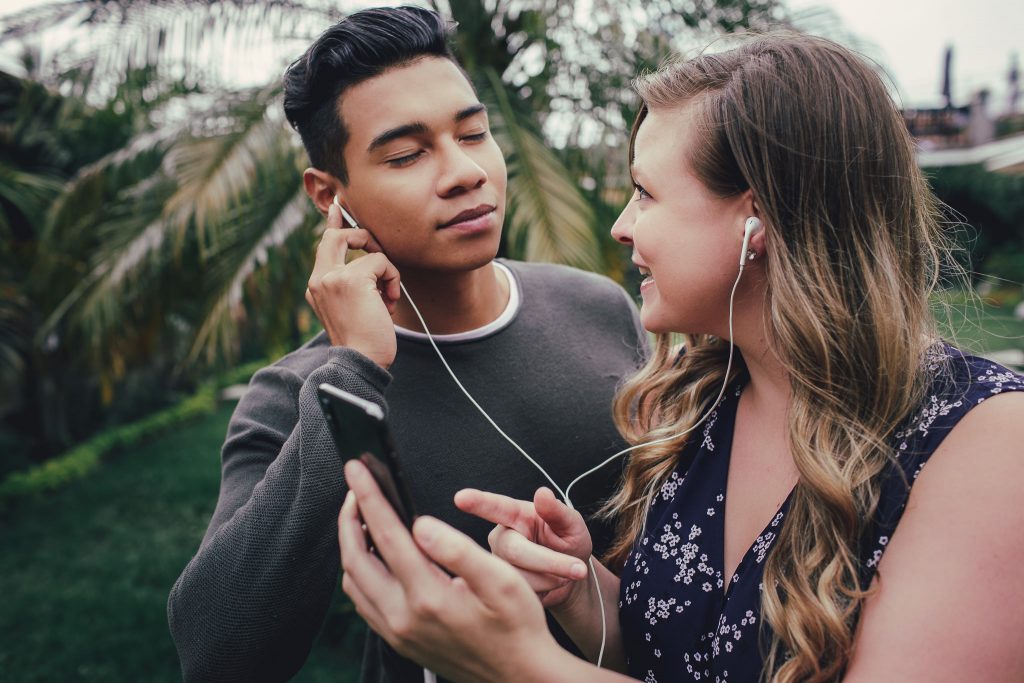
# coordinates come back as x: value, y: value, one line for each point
x: 321, y: 187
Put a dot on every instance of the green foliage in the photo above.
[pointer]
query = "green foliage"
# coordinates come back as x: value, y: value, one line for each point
x: 991, y: 205
x: 242, y: 374
x: 1009, y: 125
x: 85, y: 458
x: 1007, y: 264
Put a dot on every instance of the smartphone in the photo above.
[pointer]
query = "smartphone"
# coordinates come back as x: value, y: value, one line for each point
x: 361, y: 432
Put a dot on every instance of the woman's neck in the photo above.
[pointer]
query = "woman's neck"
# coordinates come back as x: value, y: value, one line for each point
x: 768, y: 393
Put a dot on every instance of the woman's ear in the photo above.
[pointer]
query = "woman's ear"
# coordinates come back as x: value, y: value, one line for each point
x: 757, y: 241
x: 321, y: 188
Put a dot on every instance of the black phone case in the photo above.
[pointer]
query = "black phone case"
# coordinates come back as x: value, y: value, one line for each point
x: 358, y: 434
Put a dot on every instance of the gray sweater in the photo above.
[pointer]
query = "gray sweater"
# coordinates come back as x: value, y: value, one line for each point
x: 248, y: 606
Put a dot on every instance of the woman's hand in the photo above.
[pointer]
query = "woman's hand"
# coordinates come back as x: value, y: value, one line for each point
x: 548, y: 542
x: 354, y: 301
x: 483, y: 623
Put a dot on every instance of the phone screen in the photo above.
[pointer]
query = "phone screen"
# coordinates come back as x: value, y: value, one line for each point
x: 361, y: 432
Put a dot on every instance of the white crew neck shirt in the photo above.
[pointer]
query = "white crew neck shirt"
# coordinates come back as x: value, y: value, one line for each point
x: 502, y: 321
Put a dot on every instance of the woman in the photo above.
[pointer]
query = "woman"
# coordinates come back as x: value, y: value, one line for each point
x: 839, y: 555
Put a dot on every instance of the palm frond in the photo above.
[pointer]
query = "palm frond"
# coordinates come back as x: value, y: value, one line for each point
x: 132, y: 248
x: 84, y: 195
x: 233, y: 267
x: 549, y: 220
x: 29, y: 193
x: 196, y: 38
x: 215, y: 173
x: 14, y: 315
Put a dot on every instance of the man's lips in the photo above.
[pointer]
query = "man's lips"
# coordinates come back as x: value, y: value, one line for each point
x: 469, y: 214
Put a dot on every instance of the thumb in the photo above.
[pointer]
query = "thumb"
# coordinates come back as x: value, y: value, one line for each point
x: 492, y: 579
x: 333, y: 216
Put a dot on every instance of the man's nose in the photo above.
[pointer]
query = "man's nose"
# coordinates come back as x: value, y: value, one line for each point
x: 461, y: 172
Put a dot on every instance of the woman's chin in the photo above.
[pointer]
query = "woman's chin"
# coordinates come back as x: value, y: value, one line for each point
x: 654, y: 323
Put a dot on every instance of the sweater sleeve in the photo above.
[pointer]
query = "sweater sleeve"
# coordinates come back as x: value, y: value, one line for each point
x: 250, y: 602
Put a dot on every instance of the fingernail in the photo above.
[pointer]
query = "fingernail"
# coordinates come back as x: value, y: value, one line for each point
x: 578, y: 570
x: 349, y: 497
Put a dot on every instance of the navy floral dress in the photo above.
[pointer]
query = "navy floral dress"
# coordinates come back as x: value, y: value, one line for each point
x: 683, y: 620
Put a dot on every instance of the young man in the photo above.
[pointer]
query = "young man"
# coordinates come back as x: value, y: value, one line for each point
x: 395, y: 131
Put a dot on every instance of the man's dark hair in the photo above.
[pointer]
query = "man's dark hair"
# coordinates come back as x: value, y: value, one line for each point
x: 357, y: 48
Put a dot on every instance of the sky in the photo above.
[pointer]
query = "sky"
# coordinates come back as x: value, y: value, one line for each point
x: 908, y: 37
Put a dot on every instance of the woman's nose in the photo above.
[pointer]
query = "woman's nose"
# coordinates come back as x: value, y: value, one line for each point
x: 622, y: 230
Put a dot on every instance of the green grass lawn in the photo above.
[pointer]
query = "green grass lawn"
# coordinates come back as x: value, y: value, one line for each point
x: 981, y: 328
x: 85, y: 572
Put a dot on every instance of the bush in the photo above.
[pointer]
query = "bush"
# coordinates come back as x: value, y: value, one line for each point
x: 83, y: 459
x: 991, y: 208
x: 1007, y: 264
x: 86, y: 457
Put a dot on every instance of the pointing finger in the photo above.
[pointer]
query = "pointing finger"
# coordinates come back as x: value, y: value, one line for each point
x: 496, y: 509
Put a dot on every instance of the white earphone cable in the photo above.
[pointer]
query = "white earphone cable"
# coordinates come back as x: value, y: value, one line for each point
x: 565, y: 494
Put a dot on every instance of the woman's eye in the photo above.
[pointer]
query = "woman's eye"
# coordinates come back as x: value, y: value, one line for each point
x: 398, y: 162
x: 641, y: 192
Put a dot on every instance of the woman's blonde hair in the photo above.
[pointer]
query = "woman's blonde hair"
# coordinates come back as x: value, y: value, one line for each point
x: 853, y: 250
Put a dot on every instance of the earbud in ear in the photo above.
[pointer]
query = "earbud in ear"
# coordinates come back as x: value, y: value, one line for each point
x: 345, y: 214
x: 750, y: 228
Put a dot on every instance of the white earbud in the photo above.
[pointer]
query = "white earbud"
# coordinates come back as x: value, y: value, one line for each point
x: 750, y: 228
x: 346, y: 215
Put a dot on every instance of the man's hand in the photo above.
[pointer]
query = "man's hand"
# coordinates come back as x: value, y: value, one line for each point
x: 354, y: 301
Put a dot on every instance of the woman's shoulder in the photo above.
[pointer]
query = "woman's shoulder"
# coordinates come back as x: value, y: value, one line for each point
x: 960, y: 383
x: 989, y: 427
x: 968, y: 432
x: 951, y: 591
x: 972, y: 374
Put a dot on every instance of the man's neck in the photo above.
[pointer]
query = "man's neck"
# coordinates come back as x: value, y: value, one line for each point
x: 453, y: 302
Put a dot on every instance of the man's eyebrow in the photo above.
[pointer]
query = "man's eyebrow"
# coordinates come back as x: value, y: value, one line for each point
x: 420, y: 128
x: 469, y: 111
x: 387, y: 136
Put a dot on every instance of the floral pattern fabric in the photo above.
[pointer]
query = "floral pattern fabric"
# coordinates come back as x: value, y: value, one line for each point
x: 679, y: 619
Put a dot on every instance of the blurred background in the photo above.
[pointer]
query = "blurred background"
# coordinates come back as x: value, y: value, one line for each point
x: 155, y: 243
